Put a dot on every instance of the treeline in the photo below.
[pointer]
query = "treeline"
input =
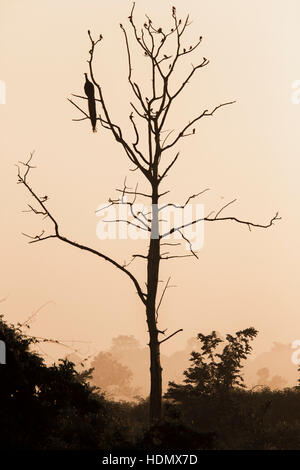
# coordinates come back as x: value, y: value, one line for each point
x: 56, y: 407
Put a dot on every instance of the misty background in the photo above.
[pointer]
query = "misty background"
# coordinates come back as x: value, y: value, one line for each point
x: 248, y: 151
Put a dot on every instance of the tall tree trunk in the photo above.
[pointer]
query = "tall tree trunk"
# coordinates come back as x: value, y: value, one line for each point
x: 155, y: 369
x: 152, y: 283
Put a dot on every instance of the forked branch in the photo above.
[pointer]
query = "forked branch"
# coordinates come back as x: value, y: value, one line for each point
x: 23, y: 179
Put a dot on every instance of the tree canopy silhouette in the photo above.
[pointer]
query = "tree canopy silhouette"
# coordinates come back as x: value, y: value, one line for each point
x: 45, y: 406
x: 215, y: 371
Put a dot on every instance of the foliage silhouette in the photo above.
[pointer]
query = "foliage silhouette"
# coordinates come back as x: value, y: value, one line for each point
x: 54, y: 407
x: 45, y: 407
x: 215, y: 372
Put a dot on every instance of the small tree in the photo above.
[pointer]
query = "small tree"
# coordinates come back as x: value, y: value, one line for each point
x: 152, y: 154
x: 212, y: 371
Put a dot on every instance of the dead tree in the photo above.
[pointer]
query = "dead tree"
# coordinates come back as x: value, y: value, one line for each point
x: 164, y: 50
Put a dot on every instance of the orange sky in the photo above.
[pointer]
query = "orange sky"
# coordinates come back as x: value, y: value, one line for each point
x: 248, y: 151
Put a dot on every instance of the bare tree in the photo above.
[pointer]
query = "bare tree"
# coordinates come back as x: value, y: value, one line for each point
x: 164, y: 50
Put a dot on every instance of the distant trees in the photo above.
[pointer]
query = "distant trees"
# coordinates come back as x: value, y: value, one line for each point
x: 272, y: 368
x: 275, y: 383
x: 112, y: 376
x: 215, y: 370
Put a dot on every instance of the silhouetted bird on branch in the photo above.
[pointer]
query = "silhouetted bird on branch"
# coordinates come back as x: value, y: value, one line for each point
x: 90, y: 93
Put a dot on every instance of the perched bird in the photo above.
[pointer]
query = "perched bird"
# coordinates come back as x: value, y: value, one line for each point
x: 90, y: 93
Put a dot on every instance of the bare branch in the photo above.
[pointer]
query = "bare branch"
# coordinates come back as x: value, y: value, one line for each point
x: 161, y: 298
x: 249, y: 224
x: 170, y: 244
x: 204, y: 63
x: 137, y: 139
x: 78, y: 107
x: 23, y: 180
x: 84, y: 97
x: 169, y: 167
x: 128, y: 222
x: 214, y: 219
x: 175, y: 256
x: 190, y: 244
x: 173, y: 334
x: 224, y: 207
x: 132, y: 84
x: 187, y: 201
x: 134, y: 193
x: 38, y: 238
x: 203, y: 114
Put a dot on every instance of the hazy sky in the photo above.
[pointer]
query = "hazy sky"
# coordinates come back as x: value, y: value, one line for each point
x: 248, y: 151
